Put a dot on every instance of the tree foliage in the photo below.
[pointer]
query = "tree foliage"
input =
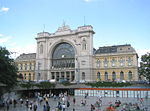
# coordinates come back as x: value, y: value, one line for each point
x: 144, y: 69
x: 41, y: 85
x: 8, y: 70
x: 45, y: 85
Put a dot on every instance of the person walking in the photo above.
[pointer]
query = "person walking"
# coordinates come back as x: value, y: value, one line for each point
x: 92, y: 107
x: 47, y: 107
x: 7, y: 105
x: 44, y: 108
x: 63, y: 107
x: 34, y: 107
x: 74, y: 100
x: 14, y: 102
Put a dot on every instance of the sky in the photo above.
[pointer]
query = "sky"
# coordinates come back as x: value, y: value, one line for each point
x: 115, y: 22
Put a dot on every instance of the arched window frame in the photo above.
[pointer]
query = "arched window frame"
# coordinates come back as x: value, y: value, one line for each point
x: 130, y: 75
x: 106, y: 76
x: 29, y: 77
x: 121, y: 75
x: 113, y: 76
x: 98, y: 76
x: 63, y: 56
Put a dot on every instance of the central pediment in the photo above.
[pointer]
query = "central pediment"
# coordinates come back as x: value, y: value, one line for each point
x: 63, y: 29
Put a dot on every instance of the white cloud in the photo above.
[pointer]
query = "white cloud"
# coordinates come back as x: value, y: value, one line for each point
x: 142, y: 52
x: 4, y: 39
x: 29, y: 48
x: 1, y: 35
x: 4, y: 9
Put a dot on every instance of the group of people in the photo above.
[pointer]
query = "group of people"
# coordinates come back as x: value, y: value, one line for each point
x: 39, y: 101
x: 63, y: 102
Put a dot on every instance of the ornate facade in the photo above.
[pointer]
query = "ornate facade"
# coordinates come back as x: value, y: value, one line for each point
x: 69, y: 54
x: 26, y: 66
x: 116, y: 63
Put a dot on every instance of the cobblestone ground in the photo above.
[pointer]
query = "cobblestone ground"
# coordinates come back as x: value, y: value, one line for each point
x: 78, y: 107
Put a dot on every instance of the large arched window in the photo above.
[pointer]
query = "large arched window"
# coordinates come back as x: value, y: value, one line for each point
x: 121, y: 75
x: 98, y: 76
x: 106, y: 76
x: 63, y: 56
x: 130, y: 75
x: 113, y: 76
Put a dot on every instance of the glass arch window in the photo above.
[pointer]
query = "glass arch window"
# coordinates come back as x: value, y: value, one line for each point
x: 63, y: 56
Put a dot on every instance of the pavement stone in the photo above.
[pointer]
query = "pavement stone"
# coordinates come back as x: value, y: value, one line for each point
x: 78, y: 107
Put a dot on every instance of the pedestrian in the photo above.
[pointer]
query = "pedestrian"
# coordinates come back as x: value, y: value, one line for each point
x: 15, y: 102
x: 30, y: 106
x: 74, y: 100
x: 44, y: 108
x: 92, y: 107
x: 34, y: 107
x: 63, y: 107
x: 7, y: 105
x: 48, y: 107
x: 27, y: 102
x: 21, y: 101
x: 68, y: 104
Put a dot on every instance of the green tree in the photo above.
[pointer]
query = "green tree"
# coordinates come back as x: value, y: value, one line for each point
x: 45, y: 85
x: 8, y: 70
x: 144, y: 69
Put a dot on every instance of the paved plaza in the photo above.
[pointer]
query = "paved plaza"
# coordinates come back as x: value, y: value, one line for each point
x: 78, y: 107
